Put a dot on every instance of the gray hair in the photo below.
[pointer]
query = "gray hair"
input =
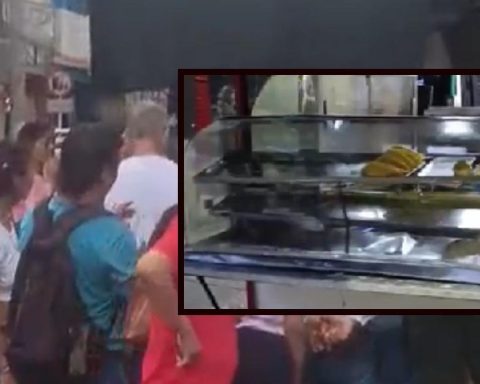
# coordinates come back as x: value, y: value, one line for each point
x: 151, y: 121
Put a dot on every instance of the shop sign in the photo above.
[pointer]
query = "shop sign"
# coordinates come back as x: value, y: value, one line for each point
x: 60, y: 98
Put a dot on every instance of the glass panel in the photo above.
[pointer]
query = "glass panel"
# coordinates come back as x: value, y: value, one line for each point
x: 298, y: 183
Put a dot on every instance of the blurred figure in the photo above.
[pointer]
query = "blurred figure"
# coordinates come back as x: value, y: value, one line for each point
x: 15, y: 183
x: 444, y: 349
x: 393, y: 364
x: 182, y: 349
x: 331, y: 349
x: 147, y: 181
x: 36, y: 140
x: 103, y: 250
x: 264, y: 355
x: 147, y: 184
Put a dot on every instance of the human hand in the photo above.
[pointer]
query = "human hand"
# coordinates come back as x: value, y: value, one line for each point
x: 124, y: 210
x: 189, y: 347
x: 327, y: 331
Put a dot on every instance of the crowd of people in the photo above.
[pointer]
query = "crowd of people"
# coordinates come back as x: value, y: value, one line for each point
x: 107, y: 205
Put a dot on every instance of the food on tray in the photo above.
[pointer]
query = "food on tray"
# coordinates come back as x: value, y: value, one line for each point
x: 412, y: 158
x: 462, y: 248
x: 462, y: 169
x: 381, y: 169
x: 397, y: 161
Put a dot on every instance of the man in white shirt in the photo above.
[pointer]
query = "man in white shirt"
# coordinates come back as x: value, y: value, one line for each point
x: 147, y: 181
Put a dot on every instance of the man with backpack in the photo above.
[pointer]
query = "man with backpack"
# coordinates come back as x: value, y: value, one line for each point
x: 71, y: 246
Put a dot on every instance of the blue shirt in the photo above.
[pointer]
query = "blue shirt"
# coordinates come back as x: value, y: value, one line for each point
x: 104, y: 255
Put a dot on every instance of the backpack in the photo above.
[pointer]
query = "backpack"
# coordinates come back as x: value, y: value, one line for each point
x: 137, y: 317
x: 46, y: 314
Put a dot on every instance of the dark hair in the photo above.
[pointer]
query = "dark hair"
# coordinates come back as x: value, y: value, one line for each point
x: 30, y: 133
x: 13, y: 163
x: 86, y: 152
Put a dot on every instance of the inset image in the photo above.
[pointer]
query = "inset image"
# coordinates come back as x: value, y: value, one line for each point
x: 331, y: 191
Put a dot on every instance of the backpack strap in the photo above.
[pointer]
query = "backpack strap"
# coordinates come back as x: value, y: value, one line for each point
x: 68, y: 222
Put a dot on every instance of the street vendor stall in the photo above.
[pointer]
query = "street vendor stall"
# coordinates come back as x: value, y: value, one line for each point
x: 338, y: 211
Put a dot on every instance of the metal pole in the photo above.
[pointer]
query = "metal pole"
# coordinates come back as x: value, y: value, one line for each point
x: 241, y: 98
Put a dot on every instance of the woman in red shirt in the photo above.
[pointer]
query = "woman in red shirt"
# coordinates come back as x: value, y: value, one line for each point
x: 182, y: 349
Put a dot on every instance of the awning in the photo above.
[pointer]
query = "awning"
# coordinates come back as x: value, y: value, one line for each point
x: 141, y: 44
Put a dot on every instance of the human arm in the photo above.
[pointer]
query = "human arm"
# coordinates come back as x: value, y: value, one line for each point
x: 154, y: 276
x: 296, y: 337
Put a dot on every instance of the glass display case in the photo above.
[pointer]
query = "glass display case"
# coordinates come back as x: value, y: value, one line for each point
x: 392, y: 197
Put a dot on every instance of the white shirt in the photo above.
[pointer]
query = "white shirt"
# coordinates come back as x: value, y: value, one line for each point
x: 150, y: 183
x: 361, y: 319
x: 9, y: 257
x: 274, y: 324
x: 271, y: 324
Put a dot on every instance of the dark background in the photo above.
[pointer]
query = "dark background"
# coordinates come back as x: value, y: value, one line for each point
x: 140, y: 44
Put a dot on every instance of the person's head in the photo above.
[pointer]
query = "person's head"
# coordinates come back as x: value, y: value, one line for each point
x: 147, y: 130
x: 36, y: 140
x: 15, y: 175
x: 89, y: 161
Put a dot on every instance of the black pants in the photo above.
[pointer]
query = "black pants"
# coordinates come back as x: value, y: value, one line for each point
x: 352, y: 362
x: 32, y: 374
x: 444, y: 349
x: 391, y: 349
x: 263, y: 358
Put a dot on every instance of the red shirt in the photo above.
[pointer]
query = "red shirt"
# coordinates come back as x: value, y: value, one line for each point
x: 217, y: 335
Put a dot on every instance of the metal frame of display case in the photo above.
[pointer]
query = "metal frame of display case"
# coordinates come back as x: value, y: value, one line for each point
x: 216, y: 263
x: 202, y: 118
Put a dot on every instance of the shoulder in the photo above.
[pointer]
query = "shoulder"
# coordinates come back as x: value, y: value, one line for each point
x: 126, y: 164
x: 170, y: 165
x: 161, y: 163
x: 104, y: 233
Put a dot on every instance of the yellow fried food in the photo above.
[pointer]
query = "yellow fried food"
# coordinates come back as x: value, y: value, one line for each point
x: 462, y: 169
x: 379, y: 169
x: 396, y: 160
x: 417, y: 156
x: 407, y: 156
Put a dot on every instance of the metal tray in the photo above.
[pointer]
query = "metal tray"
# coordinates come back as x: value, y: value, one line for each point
x: 315, y: 214
x: 311, y: 167
x: 442, y: 166
x: 283, y: 165
x: 277, y: 263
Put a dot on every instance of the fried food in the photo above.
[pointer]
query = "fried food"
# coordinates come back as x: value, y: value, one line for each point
x: 380, y: 169
x: 417, y: 156
x: 462, y: 169
x: 409, y: 158
x: 397, y: 161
